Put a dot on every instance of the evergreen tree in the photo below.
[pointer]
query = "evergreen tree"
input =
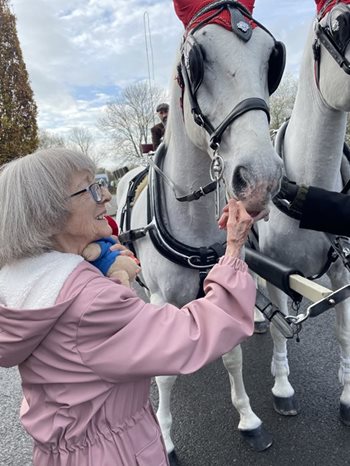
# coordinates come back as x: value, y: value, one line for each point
x: 18, y: 111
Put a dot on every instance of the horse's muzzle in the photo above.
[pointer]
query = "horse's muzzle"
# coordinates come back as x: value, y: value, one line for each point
x: 255, y: 191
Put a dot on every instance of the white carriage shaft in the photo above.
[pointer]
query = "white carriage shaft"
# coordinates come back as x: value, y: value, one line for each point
x: 307, y: 288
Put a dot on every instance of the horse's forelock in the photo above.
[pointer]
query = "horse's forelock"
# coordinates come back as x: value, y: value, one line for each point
x: 186, y: 9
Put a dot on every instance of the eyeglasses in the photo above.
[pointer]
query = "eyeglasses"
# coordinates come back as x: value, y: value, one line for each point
x: 95, y: 189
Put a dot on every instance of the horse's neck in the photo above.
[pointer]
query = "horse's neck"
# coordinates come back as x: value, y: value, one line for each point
x: 188, y: 167
x: 315, y: 135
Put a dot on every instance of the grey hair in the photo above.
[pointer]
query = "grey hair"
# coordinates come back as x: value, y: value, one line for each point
x: 34, y: 195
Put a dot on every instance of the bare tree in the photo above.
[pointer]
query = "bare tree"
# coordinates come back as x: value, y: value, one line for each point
x: 128, y: 120
x: 81, y: 139
x: 98, y: 156
x: 48, y: 139
x: 282, y: 101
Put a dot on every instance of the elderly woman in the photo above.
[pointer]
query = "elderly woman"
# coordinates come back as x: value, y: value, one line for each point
x: 87, y: 347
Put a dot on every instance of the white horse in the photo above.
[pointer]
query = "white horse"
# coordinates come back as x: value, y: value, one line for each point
x: 218, y: 124
x: 312, y: 152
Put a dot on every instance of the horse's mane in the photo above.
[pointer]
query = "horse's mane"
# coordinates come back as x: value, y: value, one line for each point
x: 175, y: 111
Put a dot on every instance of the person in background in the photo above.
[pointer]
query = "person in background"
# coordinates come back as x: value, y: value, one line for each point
x: 315, y: 208
x: 158, y: 130
x: 86, y: 346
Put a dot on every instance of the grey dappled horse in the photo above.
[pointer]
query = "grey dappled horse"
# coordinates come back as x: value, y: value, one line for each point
x: 217, y: 137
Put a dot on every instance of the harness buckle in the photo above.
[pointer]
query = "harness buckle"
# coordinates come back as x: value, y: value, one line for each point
x: 191, y: 263
x: 217, y: 167
x: 198, y: 118
x: 191, y: 259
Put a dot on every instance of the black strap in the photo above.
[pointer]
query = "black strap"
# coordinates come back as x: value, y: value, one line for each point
x: 332, y: 256
x: 127, y: 236
x: 219, y: 4
x: 198, y: 193
x: 252, y: 103
x: 202, y: 276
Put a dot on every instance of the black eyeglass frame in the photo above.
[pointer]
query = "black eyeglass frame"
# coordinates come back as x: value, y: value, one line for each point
x: 96, y: 194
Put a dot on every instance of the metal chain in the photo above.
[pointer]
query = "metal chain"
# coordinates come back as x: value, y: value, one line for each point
x: 216, y: 172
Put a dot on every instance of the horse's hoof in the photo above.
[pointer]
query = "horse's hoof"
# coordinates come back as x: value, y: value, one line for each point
x: 286, y: 406
x: 258, y: 439
x: 172, y: 457
x: 344, y: 413
x: 261, y: 327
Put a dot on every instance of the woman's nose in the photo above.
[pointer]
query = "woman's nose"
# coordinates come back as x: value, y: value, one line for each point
x: 106, y: 195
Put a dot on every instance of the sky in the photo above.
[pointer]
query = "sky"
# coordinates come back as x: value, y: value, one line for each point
x: 81, y: 53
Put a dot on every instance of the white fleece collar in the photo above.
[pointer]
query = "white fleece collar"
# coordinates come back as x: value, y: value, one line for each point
x: 35, y: 282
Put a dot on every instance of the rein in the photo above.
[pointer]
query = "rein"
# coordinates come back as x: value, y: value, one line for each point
x: 200, y: 258
x: 195, y: 195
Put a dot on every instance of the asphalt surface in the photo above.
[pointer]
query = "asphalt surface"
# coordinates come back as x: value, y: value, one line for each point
x: 205, y: 423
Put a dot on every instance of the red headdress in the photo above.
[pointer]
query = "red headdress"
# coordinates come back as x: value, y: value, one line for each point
x: 186, y: 9
x: 324, y: 6
x: 113, y: 224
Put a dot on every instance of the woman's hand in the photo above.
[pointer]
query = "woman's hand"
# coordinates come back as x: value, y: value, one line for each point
x: 124, y: 251
x: 236, y: 220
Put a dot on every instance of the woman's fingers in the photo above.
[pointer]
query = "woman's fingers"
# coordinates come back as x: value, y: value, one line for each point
x: 238, y: 224
x: 124, y: 251
x: 224, y: 217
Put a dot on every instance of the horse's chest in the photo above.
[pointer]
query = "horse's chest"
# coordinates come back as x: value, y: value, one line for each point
x: 305, y: 251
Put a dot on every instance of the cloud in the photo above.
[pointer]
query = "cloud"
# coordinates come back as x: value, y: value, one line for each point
x: 73, y: 46
x: 80, y: 53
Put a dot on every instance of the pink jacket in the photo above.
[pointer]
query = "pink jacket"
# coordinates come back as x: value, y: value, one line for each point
x: 86, y: 362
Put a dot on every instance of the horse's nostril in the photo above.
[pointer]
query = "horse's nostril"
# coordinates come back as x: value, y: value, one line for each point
x: 240, y: 179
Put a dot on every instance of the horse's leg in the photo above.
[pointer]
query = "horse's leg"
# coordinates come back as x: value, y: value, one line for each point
x: 284, y: 400
x: 249, y: 425
x: 343, y: 336
x: 165, y: 384
x: 261, y: 325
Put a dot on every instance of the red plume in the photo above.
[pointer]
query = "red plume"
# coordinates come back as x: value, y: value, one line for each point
x: 186, y: 9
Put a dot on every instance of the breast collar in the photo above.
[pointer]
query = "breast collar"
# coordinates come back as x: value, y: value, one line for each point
x: 165, y: 243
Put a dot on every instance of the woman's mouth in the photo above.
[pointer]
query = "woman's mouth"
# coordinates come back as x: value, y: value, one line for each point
x: 259, y: 214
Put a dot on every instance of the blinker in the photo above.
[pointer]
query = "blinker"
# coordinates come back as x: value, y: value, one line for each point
x: 339, y: 28
x: 335, y: 36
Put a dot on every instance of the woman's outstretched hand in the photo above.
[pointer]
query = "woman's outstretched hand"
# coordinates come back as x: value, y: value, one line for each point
x: 236, y: 220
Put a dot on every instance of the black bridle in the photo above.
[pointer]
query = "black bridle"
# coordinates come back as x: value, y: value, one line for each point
x: 246, y: 105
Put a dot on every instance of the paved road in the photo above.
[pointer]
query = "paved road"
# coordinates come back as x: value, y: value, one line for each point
x: 205, y: 423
